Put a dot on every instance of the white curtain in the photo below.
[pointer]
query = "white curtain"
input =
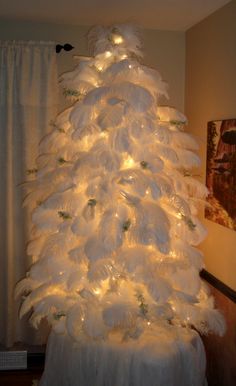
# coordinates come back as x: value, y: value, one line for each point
x: 28, y: 102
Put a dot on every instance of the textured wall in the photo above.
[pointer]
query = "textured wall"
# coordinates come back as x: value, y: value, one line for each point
x: 211, y: 95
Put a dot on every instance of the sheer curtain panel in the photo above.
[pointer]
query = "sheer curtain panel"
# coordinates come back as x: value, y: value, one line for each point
x: 28, y: 102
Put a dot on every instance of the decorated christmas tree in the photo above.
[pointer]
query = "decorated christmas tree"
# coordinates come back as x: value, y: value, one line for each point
x: 114, y: 205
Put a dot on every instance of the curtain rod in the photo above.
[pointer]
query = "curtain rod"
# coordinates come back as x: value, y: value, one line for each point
x: 65, y: 47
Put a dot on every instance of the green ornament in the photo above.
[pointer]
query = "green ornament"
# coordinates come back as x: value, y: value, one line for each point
x: 144, y: 164
x: 126, y: 225
x: 61, y: 160
x: 177, y: 123
x: 64, y: 215
x: 189, y: 222
x: 59, y: 315
x: 142, y: 305
x: 53, y: 124
x: 92, y: 202
x: 32, y: 171
x: 67, y: 92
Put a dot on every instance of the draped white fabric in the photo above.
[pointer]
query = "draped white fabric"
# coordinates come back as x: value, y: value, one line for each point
x: 28, y: 101
x: 163, y: 356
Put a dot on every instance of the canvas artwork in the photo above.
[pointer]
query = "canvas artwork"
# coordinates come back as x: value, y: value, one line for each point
x: 221, y: 172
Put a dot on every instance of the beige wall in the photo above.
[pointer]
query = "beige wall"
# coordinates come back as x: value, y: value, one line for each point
x: 163, y: 50
x: 211, y: 95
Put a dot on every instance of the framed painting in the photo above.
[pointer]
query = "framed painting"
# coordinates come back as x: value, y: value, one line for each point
x: 221, y: 172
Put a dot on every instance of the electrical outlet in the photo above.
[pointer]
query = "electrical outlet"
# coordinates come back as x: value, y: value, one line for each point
x: 13, y: 360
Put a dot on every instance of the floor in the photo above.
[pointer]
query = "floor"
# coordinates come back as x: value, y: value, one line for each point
x: 20, y: 378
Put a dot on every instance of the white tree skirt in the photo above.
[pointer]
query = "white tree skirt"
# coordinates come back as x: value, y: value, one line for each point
x: 161, y: 357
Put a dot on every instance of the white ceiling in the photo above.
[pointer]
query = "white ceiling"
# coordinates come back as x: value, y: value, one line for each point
x: 155, y: 14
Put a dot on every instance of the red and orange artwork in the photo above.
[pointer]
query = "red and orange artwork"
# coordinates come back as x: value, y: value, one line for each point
x: 221, y: 172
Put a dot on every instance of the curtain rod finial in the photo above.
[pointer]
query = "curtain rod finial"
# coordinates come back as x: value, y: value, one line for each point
x: 66, y: 47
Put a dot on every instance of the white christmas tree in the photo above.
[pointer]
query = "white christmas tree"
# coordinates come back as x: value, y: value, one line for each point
x: 114, y: 205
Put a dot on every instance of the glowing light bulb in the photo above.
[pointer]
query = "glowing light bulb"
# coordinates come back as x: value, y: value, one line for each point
x: 130, y: 66
x: 128, y: 162
x: 97, y: 291
x: 116, y: 215
x: 117, y: 39
x: 82, y: 319
x: 147, y: 191
x: 108, y: 54
x: 124, y: 56
x: 104, y: 134
x: 148, y: 323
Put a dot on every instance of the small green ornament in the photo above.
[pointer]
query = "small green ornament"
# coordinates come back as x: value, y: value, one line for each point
x: 59, y: 315
x: 126, y: 225
x: 177, y: 123
x: 32, y: 171
x: 189, y: 222
x: 142, y: 305
x: 67, y: 92
x: 53, y: 124
x: 61, y: 160
x: 64, y: 215
x: 187, y: 173
x: 144, y: 164
x: 60, y: 130
x: 92, y: 202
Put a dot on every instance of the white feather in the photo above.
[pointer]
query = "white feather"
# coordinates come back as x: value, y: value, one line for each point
x: 184, y: 140
x: 94, y: 248
x: 93, y: 325
x: 84, y: 72
x: 35, y: 246
x: 81, y: 227
x: 136, y: 96
x: 169, y: 114
x: 180, y: 205
x: 120, y: 140
x: 163, y: 135
x: 52, y: 142
x: 24, y: 285
x: 167, y: 153
x: 110, y: 228
x: 100, y: 39
x: 214, y: 320
x: 68, y: 201
x: 34, y: 297
x: 104, y: 156
x: 188, y: 159
x: 96, y: 95
x: 46, y: 220
x: 159, y: 289
x: 81, y: 115
x: 152, y: 226
x: 134, y: 257
x: 196, y: 188
x: 186, y: 280
x: 120, y: 315
x: 111, y: 116
x: 62, y: 120
x: 100, y: 270
x: 74, y: 320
